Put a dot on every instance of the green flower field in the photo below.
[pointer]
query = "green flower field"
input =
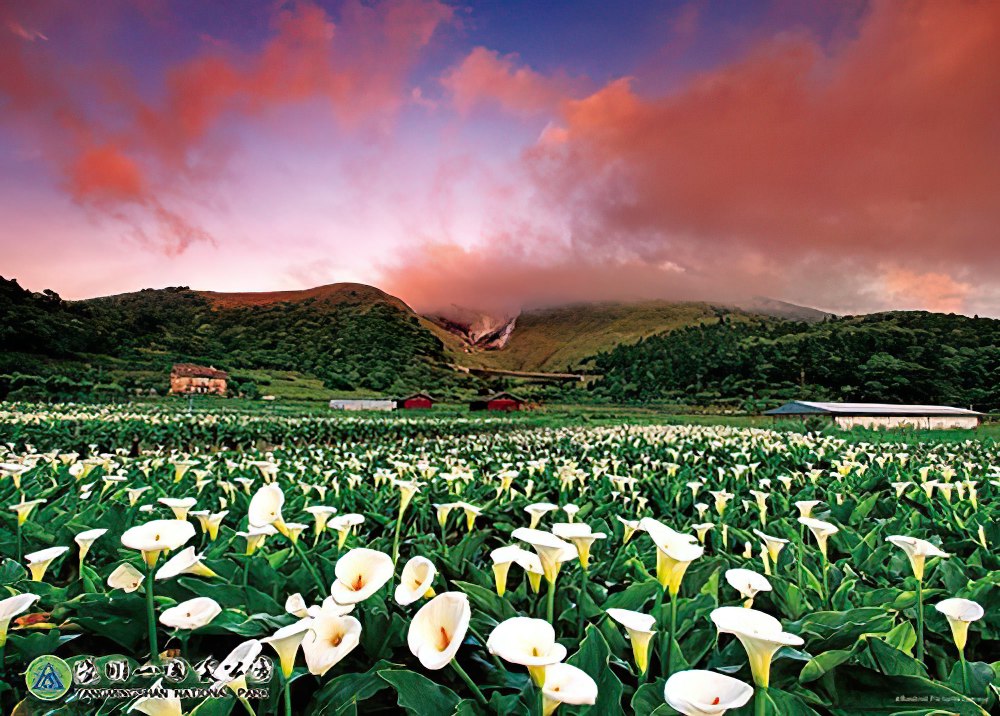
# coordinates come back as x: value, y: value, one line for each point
x: 389, y: 565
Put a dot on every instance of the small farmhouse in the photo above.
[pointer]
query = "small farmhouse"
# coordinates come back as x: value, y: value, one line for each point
x: 499, y: 401
x: 383, y: 404
x: 189, y: 379
x: 417, y: 401
x: 880, y: 415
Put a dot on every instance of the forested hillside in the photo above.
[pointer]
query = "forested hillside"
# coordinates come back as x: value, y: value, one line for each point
x: 350, y: 340
x: 912, y: 357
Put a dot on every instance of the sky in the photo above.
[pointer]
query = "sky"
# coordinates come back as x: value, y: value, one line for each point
x: 840, y: 154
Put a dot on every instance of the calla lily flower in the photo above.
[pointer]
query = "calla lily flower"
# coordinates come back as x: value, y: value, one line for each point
x: 805, y: 507
x: 85, y: 539
x: 551, y: 550
x: 705, y: 693
x: 630, y: 527
x: 566, y: 684
x: 502, y: 558
x: 774, y: 545
x: 672, y: 562
x: 360, y: 573
x: 192, y: 614
x: 332, y: 636
x: 185, y: 562
x: 821, y: 531
x: 917, y: 550
x: 761, y: 636
x: 415, y: 581
x: 38, y: 562
x: 539, y: 510
x: 159, y: 705
x: 210, y: 522
x: 10, y: 608
x: 296, y: 606
x: 23, y: 509
x: 179, y: 506
x: 528, y: 642
x: 438, y: 629
x: 320, y: 513
x: 265, y: 508
x: 157, y: 536
x: 640, y: 631
x: 580, y: 534
x: 343, y: 525
x: 960, y: 613
x: 255, y: 537
x: 126, y: 577
x: 286, y: 642
x: 748, y: 583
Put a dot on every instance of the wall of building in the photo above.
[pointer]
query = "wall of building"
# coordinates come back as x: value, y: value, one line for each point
x: 946, y: 422
x: 208, y: 386
x: 363, y: 404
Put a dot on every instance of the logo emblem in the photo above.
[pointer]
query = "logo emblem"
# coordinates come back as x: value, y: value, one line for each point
x: 48, y: 678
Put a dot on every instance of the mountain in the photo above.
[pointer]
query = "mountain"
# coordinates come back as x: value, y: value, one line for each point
x: 561, y: 338
x: 343, y: 337
x: 896, y: 357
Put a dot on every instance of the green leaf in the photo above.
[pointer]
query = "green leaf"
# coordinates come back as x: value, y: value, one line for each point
x: 341, y: 694
x: 824, y: 663
x: 418, y: 694
x: 593, y: 657
x: 486, y: 600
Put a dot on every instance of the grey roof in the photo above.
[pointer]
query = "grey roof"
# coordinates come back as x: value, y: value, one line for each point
x: 806, y: 407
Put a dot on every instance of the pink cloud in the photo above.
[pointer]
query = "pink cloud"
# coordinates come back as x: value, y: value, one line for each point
x: 484, y: 77
x: 798, y: 163
x: 138, y: 160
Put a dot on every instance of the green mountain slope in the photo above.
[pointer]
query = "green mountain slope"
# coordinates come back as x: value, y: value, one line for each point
x: 562, y: 338
x: 348, y: 336
x: 902, y: 357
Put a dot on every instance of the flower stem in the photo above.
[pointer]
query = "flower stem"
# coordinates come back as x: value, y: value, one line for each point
x: 151, y: 614
x: 395, y: 539
x: 758, y: 701
x: 550, y: 602
x: 965, y: 672
x: 247, y: 706
x: 826, y: 586
x: 468, y: 682
x: 579, y: 605
x: 481, y: 640
x: 920, y: 620
x: 288, y: 696
x: 670, y: 634
x: 305, y: 560
x: 656, y: 612
x: 20, y: 543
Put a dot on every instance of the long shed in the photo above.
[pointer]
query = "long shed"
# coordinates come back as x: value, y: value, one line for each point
x: 880, y: 415
x: 507, y: 402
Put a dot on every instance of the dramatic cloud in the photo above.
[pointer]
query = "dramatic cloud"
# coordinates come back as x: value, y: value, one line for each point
x: 877, y: 157
x: 486, y: 77
x: 136, y: 155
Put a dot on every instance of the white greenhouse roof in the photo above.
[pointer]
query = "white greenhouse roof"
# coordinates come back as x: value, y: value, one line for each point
x: 806, y: 407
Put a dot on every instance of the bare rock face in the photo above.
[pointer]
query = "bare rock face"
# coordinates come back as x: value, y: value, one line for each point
x: 480, y: 330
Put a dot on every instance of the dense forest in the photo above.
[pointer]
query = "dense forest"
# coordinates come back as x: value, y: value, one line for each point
x: 911, y: 357
x: 123, y: 344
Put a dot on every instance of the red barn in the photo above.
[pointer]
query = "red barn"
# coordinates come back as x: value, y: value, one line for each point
x: 500, y: 401
x: 417, y: 401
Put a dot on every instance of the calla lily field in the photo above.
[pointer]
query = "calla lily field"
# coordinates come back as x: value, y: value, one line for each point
x: 446, y: 565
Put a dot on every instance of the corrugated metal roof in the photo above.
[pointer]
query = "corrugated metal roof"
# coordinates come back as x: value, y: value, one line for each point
x: 807, y: 407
